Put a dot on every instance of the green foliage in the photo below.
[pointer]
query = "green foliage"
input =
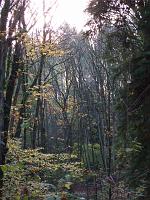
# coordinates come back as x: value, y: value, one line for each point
x: 37, y: 174
x: 91, y: 154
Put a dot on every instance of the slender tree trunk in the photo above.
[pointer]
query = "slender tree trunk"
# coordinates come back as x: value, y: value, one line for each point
x: 11, y: 126
x: 10, y: 88
x: 42, y: 126
x: 42, y: 63
x: 34, y: 132
x: 3, y: 23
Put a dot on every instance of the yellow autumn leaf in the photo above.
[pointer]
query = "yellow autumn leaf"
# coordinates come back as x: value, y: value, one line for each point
x: 68, y: 185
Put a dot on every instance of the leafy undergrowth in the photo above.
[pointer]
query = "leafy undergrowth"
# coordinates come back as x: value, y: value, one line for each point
x: 30, y: 174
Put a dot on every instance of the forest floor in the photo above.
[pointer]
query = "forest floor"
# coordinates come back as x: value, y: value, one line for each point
x: 32, y: 175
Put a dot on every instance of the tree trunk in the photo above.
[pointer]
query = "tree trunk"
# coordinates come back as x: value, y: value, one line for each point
x: 11, y: 87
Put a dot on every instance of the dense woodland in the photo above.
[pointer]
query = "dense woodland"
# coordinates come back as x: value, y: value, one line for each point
x: 75, y: 107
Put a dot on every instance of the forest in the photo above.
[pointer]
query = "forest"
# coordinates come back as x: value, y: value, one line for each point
x: 75, y: 106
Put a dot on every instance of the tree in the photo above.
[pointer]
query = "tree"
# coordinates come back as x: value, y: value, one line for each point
x: 10, y: 18
x: 132, y: 17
